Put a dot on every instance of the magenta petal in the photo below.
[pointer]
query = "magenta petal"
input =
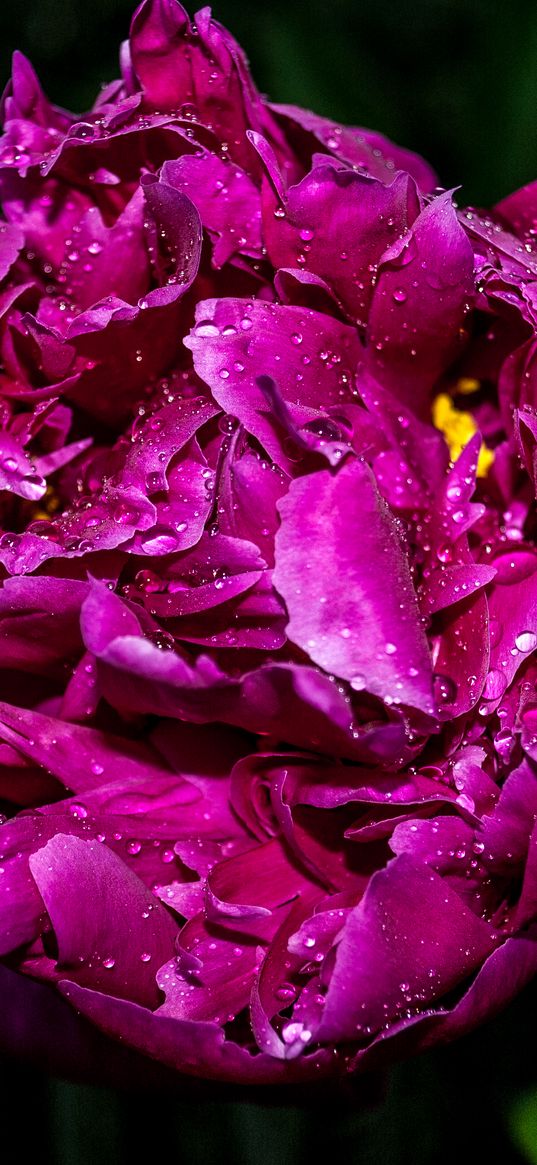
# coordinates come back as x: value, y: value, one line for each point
x: 96, y: 268
x: 462, y: 659
x: 27, y: 605
x: 81, y: 758
x: 508, y: 829
x: 224, y: 196
x: 519, y: 210
x: 513, y: 615
x: 293, y: 702
x: 310, y: 357
x: 175, y: 240
x: 158, y: 58
x: 214, y: 983
x: 409, y: 936
x: 346, y: 256
x: 105, y: 921
x: 268, y: 598
x: 424, y: 291
x: 355, y: 628
x: 21, y: 906
x: 11, y: 243
x: 449, y: 585
x: 280, y: 884
x: 17, y: 474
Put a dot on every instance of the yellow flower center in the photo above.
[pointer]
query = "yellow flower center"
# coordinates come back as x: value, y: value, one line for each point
x: 44, y: 511
x: 458, y: 427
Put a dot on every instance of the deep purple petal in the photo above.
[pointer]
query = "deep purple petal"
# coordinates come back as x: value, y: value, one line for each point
x: 383, y: 956
x: 423, y: 294
x: 111, y: 933
x: 354, y: 628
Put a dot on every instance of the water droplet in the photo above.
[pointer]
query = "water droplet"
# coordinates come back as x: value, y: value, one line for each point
x: 453, y: 493
x: 125, y: 515
x: 206, y: 328
x: 227, y: 423
x: 445, y: 690
x: 159, y: 540
x: 163, y: 640
x: 155, y: 481
x: 526, y: 641
x: 76, y: 809
x: 286, y: 993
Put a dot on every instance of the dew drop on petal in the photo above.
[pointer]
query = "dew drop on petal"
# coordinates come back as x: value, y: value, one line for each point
x: 526, y: 641
x: 445, y: 690
x: 76, y: 809
x: 159, y: 540
x: 286, y: 993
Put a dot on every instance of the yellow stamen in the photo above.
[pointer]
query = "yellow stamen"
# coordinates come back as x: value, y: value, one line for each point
x: 458, y: 427
x: 47, y: 507
x: 468, y: 384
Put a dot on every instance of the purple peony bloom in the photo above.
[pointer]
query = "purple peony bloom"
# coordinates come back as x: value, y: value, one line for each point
x: 268, y: 616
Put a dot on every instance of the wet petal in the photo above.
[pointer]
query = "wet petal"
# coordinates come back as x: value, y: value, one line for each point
x: 360, y: 632
x: 105, y: 921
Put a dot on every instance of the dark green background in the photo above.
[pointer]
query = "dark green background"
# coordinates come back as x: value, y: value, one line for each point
x: 456, y: 80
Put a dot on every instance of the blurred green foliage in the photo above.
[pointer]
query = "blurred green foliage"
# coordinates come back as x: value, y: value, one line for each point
x: 454, y: 79
x: 523, y: 1122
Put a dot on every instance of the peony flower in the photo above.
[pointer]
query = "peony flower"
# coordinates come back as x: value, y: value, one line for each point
x: 268, y: 617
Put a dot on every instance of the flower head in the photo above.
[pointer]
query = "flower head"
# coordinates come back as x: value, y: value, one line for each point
x: 268, y: 621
